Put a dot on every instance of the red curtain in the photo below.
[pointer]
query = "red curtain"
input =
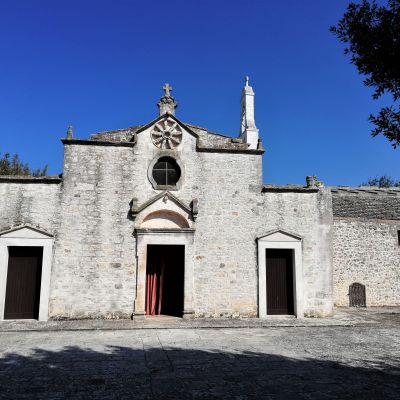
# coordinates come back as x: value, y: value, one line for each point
x: 154, y: 286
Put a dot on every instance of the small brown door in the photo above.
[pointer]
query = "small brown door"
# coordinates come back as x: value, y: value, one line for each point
x: 357, y: 296
x: 23, y: 283
x: 279, y: 268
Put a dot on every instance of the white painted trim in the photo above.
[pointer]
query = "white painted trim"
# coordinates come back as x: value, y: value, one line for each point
x: 178, y: 237
x: 47, y: 243
x: 298, y: 294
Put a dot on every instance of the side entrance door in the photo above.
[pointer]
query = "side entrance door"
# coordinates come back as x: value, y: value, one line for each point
x: 23, y: 282
x: 279, y: 275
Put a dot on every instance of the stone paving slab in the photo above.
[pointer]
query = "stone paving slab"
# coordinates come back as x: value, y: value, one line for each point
x: 278, y: 363
x: 342, y: 317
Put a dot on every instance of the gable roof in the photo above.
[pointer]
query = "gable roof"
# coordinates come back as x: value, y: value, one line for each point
x: 207, y: 141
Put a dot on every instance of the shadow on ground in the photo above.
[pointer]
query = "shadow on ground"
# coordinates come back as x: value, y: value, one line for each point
x: 125, y: 373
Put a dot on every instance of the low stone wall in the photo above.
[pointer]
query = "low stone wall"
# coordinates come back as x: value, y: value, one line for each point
x: 366, y: 245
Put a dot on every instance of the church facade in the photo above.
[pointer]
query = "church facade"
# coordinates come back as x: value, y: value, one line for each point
x: 171, y: 218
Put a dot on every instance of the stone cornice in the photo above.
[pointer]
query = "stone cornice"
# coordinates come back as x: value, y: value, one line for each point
x: 289, y: 188
x: 29, y: 179
x: 97, y: 143
x: 145, y: 231
x: 228, y: 150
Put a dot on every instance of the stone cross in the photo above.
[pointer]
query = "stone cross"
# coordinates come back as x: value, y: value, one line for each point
x: 167, y: 88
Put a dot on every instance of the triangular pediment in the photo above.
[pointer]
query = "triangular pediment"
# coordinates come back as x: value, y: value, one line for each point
x: 164, y: 210
x: 26, y: 231
x: 163, y: 197
x: 165, y: 117
x: 279, y: 235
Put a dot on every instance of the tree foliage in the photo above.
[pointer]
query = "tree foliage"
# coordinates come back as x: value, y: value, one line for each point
x: 383, y: 182
x: 371, y: 33
x: 12, y: 165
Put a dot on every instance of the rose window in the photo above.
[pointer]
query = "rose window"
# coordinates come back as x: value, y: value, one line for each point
x: 166, y: 134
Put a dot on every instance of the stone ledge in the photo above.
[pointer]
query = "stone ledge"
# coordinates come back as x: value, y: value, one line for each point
x: 30, y: 179
x: 365, y: 190
x: 228, y: 150
x: 289, y: 188
x: 97, y: 143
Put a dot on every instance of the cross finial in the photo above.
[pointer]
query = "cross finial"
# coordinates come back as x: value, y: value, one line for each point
x: 247, y: 80
x: 167, y: 88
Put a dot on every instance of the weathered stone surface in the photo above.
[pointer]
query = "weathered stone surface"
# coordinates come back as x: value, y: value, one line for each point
x: 364, y: 203
x: 29, y: 203
x: 278, y: 363
x: 366, y: 244
x: 367, y: 252
x: 95, y: 269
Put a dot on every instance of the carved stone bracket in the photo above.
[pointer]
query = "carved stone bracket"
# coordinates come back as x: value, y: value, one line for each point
x: 195, y: 209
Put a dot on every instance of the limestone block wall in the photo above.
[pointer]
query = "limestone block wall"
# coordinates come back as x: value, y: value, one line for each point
x: 93, y: 271
x: 309, y: 215
x: 366, y: 246
x: 95, y: 266
x: 24, y: 202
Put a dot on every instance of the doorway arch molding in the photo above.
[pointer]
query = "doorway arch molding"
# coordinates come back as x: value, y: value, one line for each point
x: 280, y: 239
x: 145, y: 237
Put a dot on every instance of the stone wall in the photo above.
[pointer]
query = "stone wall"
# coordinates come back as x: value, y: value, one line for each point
x: 94, y: 257
x: 309, y: 215
x: 33, y: 202
x: 94, y: 269
x: 366, y: 245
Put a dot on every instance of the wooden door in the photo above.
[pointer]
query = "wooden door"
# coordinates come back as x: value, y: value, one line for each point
x: 357, y: 296
x: 279, y: 275
x: 23, y: 282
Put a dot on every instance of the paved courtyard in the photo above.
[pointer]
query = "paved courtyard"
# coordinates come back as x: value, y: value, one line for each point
x: 299, y: 362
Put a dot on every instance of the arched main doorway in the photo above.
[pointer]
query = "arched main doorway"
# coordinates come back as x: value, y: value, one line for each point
x: 164, y: 243
x: 165, y: 269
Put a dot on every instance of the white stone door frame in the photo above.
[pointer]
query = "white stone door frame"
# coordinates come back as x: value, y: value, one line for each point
x: 145, y: 237
x: 26, y: 236
x: 279, y: 239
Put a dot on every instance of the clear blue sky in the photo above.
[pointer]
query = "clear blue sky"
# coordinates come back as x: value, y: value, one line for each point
x: 100, y: 65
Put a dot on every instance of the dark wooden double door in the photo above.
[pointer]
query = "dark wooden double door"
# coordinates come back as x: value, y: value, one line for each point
x: 23, y: 282
x: 279, y: 276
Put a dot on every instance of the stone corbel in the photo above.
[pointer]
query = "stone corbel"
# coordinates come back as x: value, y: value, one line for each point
x: 134, y: 138
x: 133, y: 210
x: 194, y: 208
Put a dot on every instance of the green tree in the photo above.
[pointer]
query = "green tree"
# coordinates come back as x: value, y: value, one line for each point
x: 371, y: 33
x: 12, y: 165
x: 383, y: 181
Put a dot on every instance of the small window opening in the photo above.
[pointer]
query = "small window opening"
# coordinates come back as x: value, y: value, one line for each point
x: 398, y: 238
x: 166, y: 172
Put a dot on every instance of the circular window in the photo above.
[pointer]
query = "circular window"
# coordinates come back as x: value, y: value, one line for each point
x: 166, y: 172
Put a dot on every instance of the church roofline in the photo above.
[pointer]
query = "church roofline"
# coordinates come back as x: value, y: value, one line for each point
x: 233, y: 146
x: 97, y: 142
x: 289, y: 188
x: 30, y: 179
x: 144, y: 127
x: 228, y: 150
x: 365, y: 190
